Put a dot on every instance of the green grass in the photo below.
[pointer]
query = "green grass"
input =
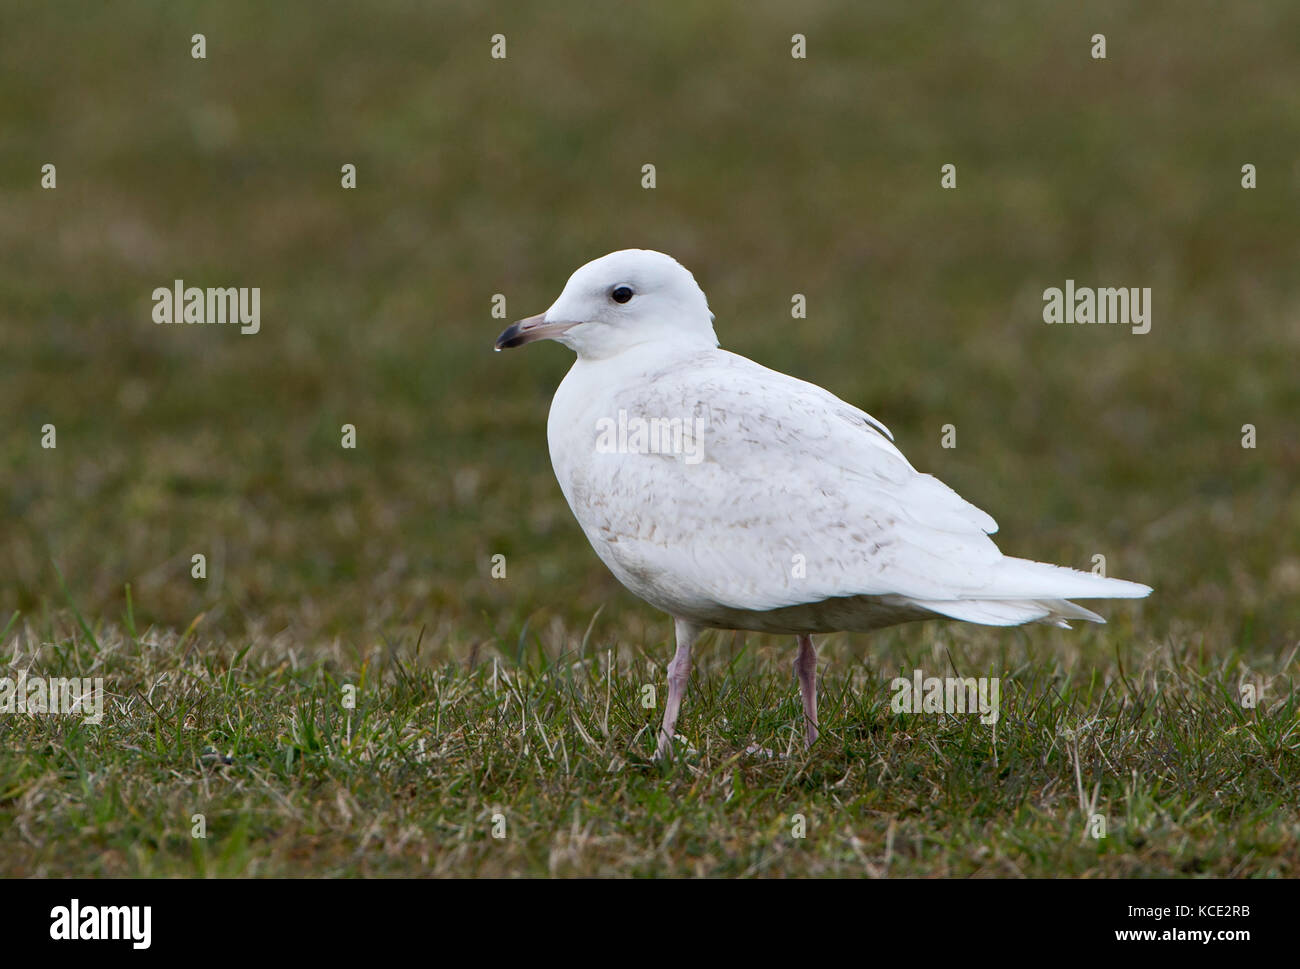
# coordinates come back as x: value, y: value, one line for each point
x: 775, y: 176
x: 290, y: 780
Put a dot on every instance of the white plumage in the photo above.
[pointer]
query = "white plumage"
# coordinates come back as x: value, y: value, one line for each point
x: 771, y: 505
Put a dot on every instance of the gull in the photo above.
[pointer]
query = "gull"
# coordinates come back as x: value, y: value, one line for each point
x: 732, y: 496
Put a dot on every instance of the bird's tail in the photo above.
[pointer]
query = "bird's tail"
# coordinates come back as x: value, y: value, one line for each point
x: 1022, y: 591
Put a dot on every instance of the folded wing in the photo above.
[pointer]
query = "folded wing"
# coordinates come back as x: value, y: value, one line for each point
x: 790, y: 495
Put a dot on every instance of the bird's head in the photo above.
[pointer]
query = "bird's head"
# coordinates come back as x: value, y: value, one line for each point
x: 619, y: 301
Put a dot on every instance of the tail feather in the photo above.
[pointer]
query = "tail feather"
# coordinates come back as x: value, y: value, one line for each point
x: 1023, y: 579
x: 1009, y: 612
x: 1023, y: 591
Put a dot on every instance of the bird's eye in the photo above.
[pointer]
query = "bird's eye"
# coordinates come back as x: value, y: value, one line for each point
x: 621, y: 294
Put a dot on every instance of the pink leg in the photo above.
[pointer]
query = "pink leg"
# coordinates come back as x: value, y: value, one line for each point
x: 805, y: 667
x: 679, y: 674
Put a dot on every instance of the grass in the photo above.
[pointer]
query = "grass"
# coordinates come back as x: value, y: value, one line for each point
x: 326, y: 566
x: 540, y: 764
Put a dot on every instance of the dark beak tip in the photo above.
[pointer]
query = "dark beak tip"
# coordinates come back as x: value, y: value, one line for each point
x: 510, y: 337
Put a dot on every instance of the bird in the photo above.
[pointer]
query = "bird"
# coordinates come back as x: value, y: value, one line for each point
x: 732, y: 496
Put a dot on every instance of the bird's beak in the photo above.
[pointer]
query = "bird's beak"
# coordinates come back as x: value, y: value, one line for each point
x: 531, y: 329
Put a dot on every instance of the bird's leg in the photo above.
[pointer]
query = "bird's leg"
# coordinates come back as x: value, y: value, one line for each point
x: 805, y: 667
x: 679, y: 673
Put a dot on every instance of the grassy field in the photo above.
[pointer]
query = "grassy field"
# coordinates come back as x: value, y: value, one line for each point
x: 521, y: 698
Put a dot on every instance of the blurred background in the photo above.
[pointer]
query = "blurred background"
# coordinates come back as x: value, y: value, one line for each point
x: 775, y: 176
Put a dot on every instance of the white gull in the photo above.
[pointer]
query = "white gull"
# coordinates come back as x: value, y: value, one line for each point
x: 732, y: 496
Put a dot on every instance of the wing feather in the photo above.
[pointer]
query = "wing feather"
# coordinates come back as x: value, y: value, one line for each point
x: 795, y: 496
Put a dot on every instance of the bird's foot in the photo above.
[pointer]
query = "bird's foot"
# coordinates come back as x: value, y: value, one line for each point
x: 665, y: 750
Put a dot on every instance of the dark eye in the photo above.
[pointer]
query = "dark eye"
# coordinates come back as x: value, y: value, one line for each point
x: 621, y: 294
